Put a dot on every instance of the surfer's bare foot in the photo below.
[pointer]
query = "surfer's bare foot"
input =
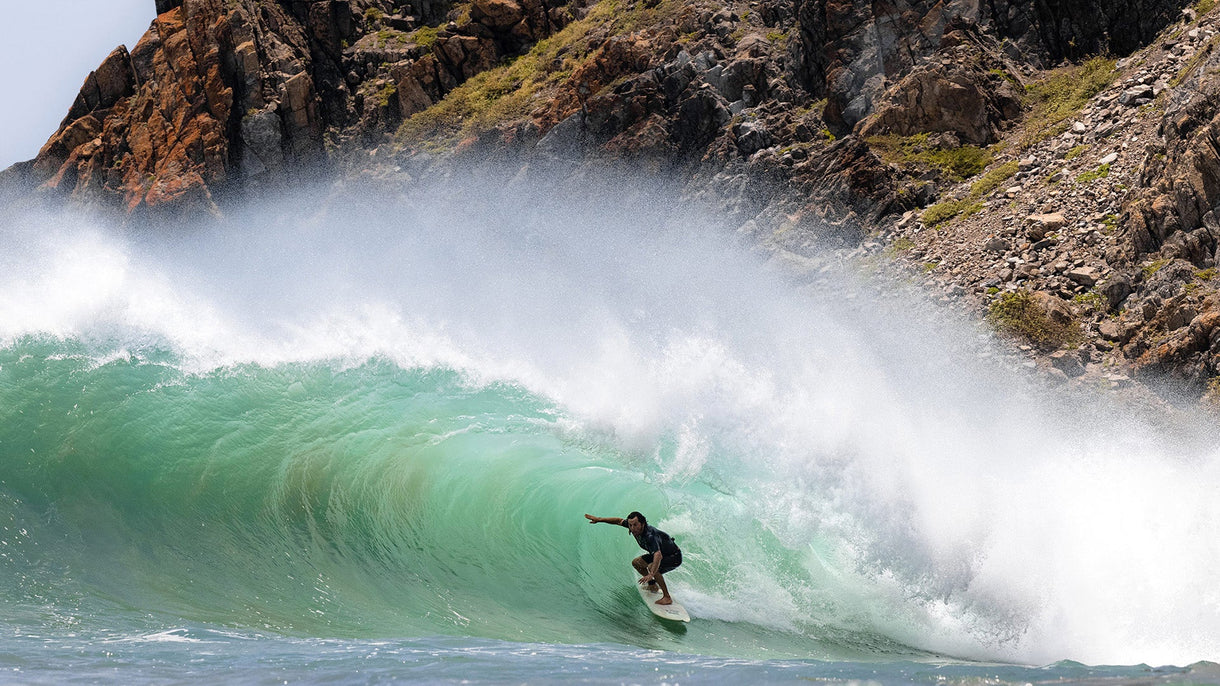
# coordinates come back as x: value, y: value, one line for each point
x: 665, y: 601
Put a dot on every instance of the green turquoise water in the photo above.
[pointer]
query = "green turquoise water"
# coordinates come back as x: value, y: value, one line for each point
x: 355, y: 443
x: 365, y: 501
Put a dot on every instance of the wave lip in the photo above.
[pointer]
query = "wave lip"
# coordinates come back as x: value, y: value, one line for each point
x: 396, y: 434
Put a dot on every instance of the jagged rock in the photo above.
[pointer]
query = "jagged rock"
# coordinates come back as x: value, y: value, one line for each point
x: 497, y: 14
x: 1042, y: 224
x: 997, y: 244
x: 1085, y: 276
x: 849, y: 49
x: 1137, y: 95
x: 752, y: 137
x: 1179, y: 316
x: 1116, y: 290
x: 1112, y: 330
x: 1190, y: 350
x: 224, y: 90
x: 1053, y: 307
x: 967, y: 93
x: 1067, y: 362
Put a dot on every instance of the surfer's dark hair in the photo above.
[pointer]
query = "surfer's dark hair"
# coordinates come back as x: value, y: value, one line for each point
x: 637, y: 515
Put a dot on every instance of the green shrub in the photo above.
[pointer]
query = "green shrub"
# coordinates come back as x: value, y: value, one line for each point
x: 958, y: 163
x: 1016, y: 313
x: 1093, y: 174
x: 424, y: 37
x: 1153, y: 267
x: 1093, y: 301
x: 385, y: 93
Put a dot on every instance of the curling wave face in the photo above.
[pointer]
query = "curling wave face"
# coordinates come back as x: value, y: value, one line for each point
x: 355, y: 419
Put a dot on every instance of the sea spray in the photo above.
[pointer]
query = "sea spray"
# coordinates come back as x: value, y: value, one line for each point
x: 360, y: 416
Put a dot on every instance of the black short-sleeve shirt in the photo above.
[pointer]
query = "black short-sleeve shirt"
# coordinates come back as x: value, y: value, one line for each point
x: 653, y: 539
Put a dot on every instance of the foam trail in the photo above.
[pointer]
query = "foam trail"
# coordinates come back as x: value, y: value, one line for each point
x: 910, y: 490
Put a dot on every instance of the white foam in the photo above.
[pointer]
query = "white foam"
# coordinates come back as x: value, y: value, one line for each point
x: 948, y: 506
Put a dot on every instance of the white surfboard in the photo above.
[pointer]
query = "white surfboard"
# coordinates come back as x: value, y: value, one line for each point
x: 673, y: 612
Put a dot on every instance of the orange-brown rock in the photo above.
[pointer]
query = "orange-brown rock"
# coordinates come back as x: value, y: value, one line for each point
x: 968, y: 89
x: 497, y: 14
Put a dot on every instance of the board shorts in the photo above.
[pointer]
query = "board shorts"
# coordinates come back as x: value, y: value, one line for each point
x: 668, y: 562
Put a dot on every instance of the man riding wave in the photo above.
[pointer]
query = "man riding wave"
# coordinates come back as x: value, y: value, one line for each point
x: 663, y: 555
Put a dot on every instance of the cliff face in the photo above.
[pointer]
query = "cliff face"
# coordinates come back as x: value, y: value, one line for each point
x: 850, y: 49
x: 211, y: 95
x: 221, y: 96
x: 798, y: 119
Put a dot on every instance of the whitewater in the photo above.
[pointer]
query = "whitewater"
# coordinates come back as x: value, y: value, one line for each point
x: 350, y: 436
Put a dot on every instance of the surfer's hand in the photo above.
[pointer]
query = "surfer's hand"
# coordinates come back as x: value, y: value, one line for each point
x: 591, y: 518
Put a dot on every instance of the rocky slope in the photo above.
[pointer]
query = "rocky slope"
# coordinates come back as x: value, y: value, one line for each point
x: 984, y: 147
x: 1107, y: 226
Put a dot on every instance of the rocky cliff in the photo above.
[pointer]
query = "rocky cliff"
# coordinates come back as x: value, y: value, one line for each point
x: 1017, y: 156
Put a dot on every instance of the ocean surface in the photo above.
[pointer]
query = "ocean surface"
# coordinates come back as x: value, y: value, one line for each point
x: 340, y: 438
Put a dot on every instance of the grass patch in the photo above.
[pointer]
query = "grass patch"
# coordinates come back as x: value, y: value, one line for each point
x: 424, y: 37
x: 1018, y: 314
x: 1153, y: 267
x: 1197, y: 59
x: 908, y: 151
x: 1075, y: 152
x: 1204, y: 6
x: 1007, y: 77
x: 950, y: 209
x: 1061, y: 95
x: 509, y: 91
x: 387, y: 36
x: 1093, y: 174
x: 777, y: 37
x: 901, y: 245
x: 1206, y: 274
x: 993, y: 178
x: 1092, y: 301
x: 942, y: 212
x: 385, y: 93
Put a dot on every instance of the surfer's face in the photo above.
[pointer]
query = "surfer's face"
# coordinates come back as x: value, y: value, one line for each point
x: 635, y: 526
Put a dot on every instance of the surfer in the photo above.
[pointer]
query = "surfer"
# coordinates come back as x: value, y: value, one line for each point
x: 663, y: 554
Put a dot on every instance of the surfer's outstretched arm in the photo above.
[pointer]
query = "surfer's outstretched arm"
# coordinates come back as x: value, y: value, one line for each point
x: 617, y: 521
